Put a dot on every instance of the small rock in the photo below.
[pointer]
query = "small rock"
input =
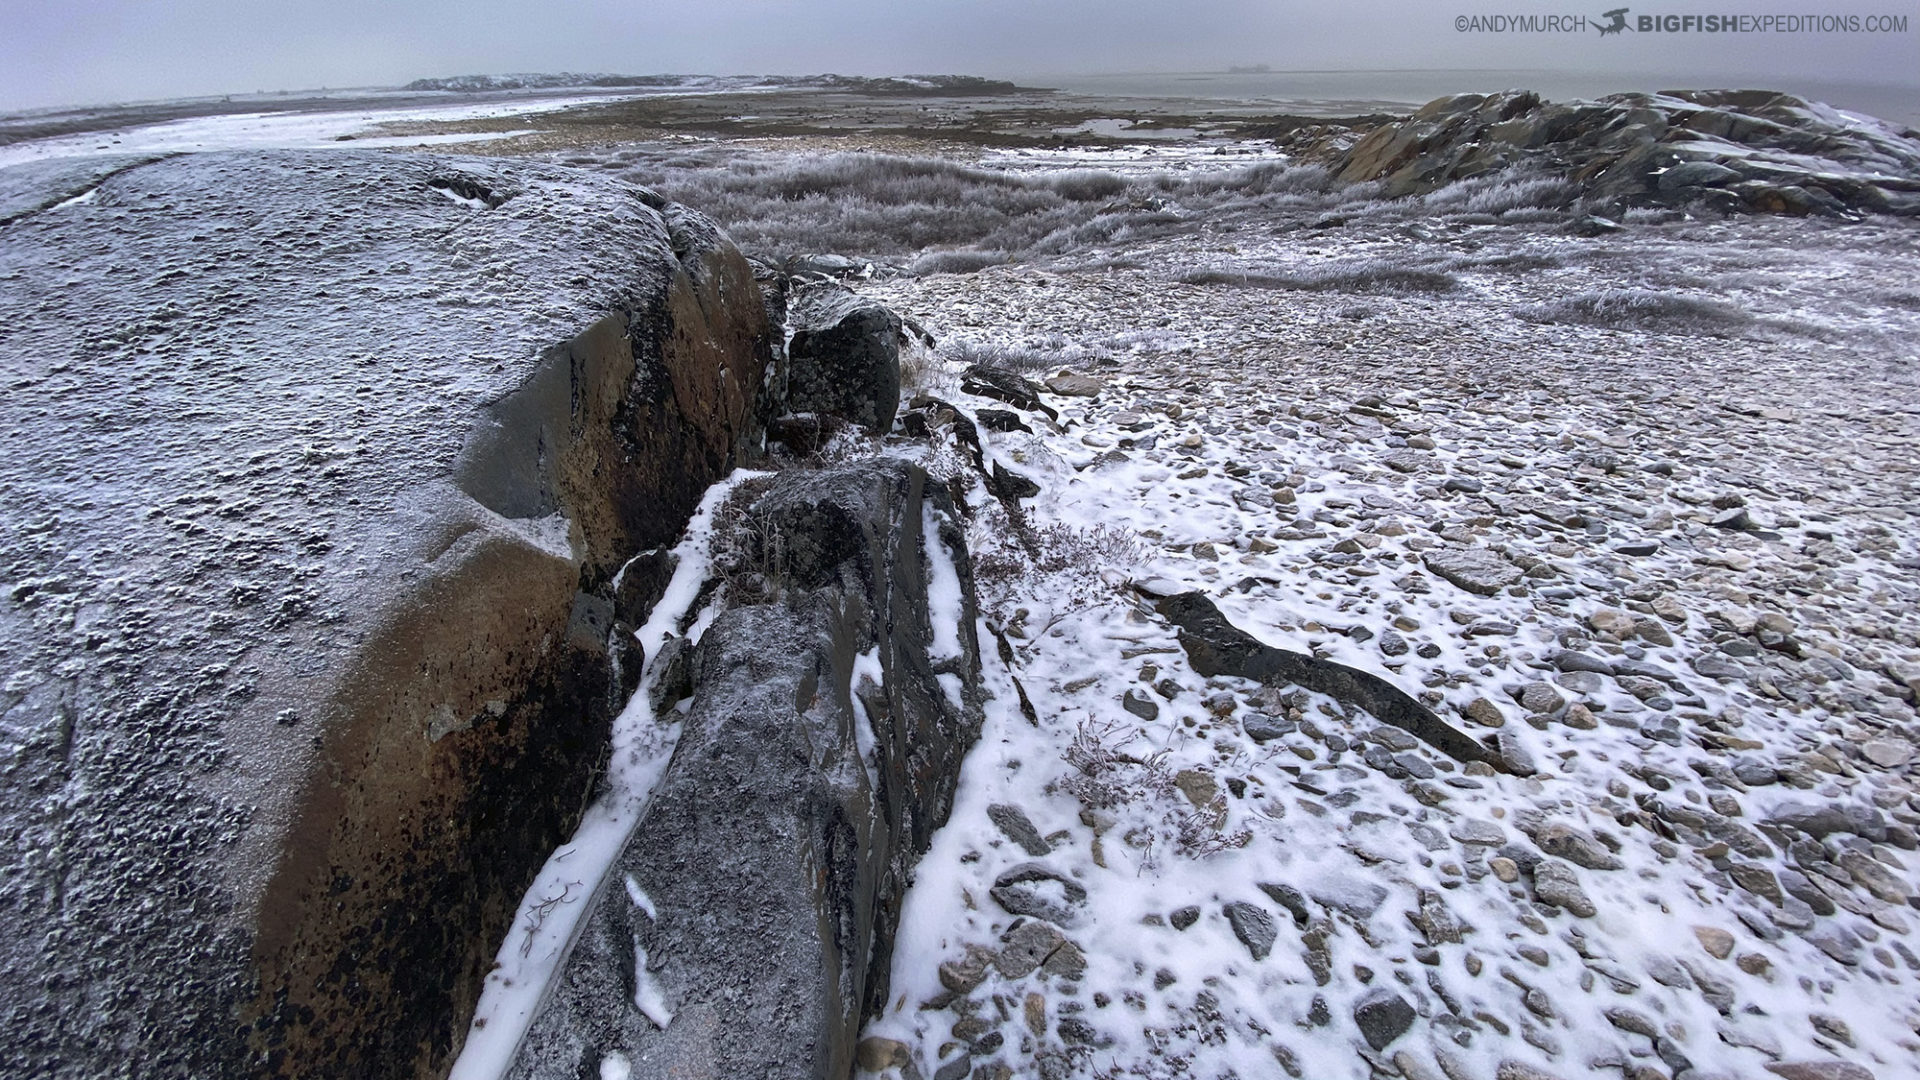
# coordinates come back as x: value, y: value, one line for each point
x: 1026, y: 949
x: 1757, y: 880
x: 1474, y: 569
x: 1520, y: 1070
x: 1253, y: 926
x: 1070, y: 384
x: 1265, y: 727
x: 1571, y: 660
x: 1037, y: 892
x: 1632, y: 1020
x: 1478, y: 831
x: 1515, y: 755
x: 1382, y: 1017
x: 1717, y: 942
x: 1873, y: 877
x: 1612, y: 621
x: 1887, y: 753
x: 1554, y: 882
x: 1435, y: 921
x: 1391, y: 644
x: 874, y: 1054
x: 1140, y: 705
x: 1563, y: 841
x: 1736, y: 519
x: 1504, y: 868
x: 1484, y: 712
x: 1181, y: 918
x: 1035, y: 1012
x: 1538, y: 697
x: 1198, y: 786
x: 963, y: 975
x: 1818, y: 1070
x: 1580, y: 718
x: 1653, y: 632
x: 1832, y: 1027
x: 1291, y: 899
x: 1014, y: 822
x: 1067, y: 962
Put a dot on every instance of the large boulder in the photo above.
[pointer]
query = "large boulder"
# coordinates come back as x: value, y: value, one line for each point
x: 843, y: 356
x: 834, y: 697
x: 319, y: 468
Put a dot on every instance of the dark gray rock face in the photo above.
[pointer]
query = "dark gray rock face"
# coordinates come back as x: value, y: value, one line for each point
x: 1735, y: 150
x: 844, y: 357
x: 318, y: 467
x: 776, y: 857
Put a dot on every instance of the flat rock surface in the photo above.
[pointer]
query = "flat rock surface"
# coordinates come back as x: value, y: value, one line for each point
x: 237, y: 388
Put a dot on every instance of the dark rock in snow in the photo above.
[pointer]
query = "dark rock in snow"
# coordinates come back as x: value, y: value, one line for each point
x: 1014, y: 822
x: 339, y: 452
x: 1217, y: 647
x: 843, y: 357
x: 1264, y: 727
x: 1382, y: 1017
x: 1253, y: 926
x: 1290, y: 898
x: 1038, y: 892
x: 776, y: 861
x: 1003, y: 385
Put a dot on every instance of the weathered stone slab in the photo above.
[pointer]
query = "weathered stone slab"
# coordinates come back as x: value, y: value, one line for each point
x: 321, y: 463
x: 775, y: 854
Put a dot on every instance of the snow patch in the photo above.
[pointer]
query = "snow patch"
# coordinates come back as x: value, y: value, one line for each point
x: 946, y: 603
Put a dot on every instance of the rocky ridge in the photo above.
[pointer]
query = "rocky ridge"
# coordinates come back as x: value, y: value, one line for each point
x: 1730, y: 150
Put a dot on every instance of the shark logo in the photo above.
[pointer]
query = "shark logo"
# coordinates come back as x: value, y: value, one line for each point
x: 1619, y: 23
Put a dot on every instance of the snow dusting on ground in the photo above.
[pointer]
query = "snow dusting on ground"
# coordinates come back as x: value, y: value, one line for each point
x: 1639, y: 511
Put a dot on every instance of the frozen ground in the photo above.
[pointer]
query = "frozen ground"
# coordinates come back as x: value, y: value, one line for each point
x: 1689, y: 455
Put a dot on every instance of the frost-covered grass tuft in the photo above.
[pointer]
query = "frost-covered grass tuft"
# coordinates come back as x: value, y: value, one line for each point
x: 1346, y: 276
x: 1018, y: 358
x: 1643, y: 309
x: 1105, y: 774
x: 963, y: 261
x: 1502, y: 193
x: 932, y: 215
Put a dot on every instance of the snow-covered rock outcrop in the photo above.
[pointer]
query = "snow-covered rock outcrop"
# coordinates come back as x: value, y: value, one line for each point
x: 832, y: 698
x: 320, y: 470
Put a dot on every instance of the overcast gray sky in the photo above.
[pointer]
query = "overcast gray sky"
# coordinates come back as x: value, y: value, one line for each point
x: 61, y: 52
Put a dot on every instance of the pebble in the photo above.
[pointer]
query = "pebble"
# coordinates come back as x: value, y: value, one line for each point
x: 1382, y: 1016
x: 1717, y: 942
x: 1554, y: 882
x: 1253, y: 925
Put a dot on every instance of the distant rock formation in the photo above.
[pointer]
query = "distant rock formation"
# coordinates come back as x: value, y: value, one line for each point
x: 319, y: 470
x: 1733, y: 150
x: 833, y: 700
x: 473, y: 84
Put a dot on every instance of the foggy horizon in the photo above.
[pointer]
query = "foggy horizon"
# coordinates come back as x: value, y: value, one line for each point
x: 103, y: 52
